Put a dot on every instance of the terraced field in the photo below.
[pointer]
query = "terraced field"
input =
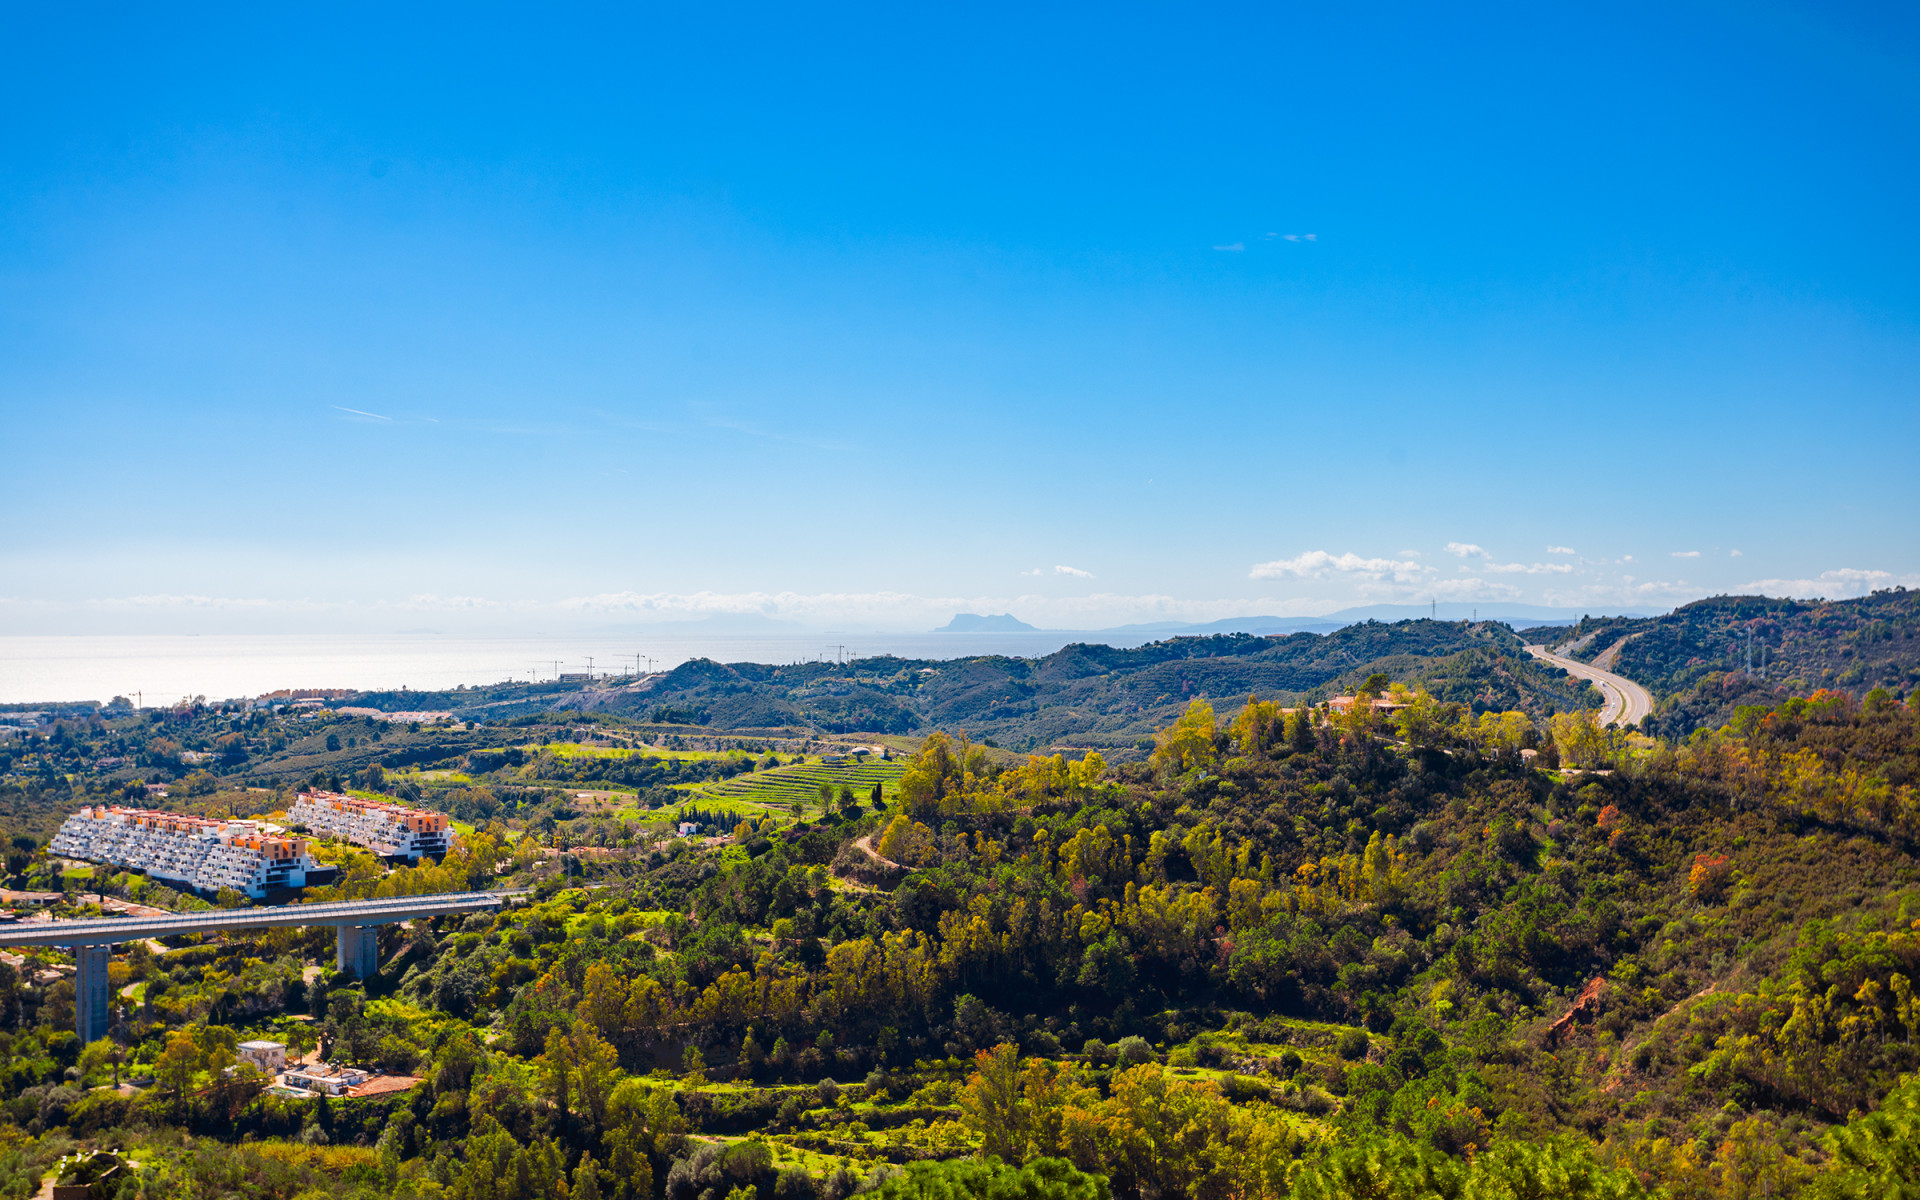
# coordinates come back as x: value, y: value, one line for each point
x: 790, y: 785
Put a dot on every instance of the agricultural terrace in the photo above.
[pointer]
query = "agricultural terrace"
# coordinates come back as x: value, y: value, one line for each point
x: 774, y: 795
x: 787, y: 786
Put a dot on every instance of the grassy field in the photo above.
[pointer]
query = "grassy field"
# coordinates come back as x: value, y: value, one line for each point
x: 577, y: 750
x: 731, y: 805
x: 774, y: 793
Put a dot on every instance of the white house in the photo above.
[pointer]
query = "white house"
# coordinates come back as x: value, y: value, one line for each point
x: 269, y: 1057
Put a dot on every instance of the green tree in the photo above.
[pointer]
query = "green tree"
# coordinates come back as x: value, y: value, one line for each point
x: 991, y: 1103
x: 178, y: 1064
x: 556, y: 1068
x: 1300, y: 729
x: 1554, y: 1169
x: 586, y: 1180
x: 595, y: 1066
x: 1876, y: 1156
x: 973, y: 1179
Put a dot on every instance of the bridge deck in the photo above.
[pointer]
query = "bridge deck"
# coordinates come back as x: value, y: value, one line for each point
x: 349, y: 912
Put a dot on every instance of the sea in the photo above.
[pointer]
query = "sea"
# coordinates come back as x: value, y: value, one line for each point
x: 157, y: 671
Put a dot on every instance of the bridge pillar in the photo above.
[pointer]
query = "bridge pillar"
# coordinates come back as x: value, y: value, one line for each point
x: 358, y: 950
x: 90, y: 992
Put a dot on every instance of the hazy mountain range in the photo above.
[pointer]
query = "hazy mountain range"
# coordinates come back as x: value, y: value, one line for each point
x: 1517, y: 614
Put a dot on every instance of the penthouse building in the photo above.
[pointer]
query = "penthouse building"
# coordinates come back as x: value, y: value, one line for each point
x: 190, y: 852
x: 389, y: 830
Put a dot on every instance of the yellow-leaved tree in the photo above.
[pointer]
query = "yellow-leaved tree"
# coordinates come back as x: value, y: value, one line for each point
x: 1261, y: 724
x: 1581, y: 741
x: 1187, y: 744
x: 905, y: 841
x: 941, y: 775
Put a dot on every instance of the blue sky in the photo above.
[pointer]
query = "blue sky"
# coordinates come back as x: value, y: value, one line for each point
x: 479, y: 316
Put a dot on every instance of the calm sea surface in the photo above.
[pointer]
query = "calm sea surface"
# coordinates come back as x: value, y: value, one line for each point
x: 160, y: 670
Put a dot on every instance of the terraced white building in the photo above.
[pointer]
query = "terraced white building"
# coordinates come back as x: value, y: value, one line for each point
x: 389, y: 830
x: 188, y: 852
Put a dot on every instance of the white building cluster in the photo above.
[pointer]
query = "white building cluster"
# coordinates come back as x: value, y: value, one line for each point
x: 189, y: 852
x: 389, y: 830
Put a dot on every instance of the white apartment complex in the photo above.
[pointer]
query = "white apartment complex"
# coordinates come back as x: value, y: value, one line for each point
x: 389, y: 830
x: 188, y: 852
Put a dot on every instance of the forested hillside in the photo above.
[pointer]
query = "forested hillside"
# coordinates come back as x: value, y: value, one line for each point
x: 1306, y: 955
x: 1098, y: 695
x: 1704, y: 659
x: 1082, y: 695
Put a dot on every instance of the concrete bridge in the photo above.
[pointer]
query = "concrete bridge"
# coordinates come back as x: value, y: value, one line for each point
x: 356, y: 942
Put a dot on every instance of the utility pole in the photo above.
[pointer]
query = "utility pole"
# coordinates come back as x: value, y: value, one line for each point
x: 589, y: 666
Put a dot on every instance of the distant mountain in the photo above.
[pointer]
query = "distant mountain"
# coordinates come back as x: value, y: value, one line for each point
x: 976, y: 623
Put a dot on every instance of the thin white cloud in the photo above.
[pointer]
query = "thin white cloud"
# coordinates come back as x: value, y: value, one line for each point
x: 1472, y: 589
x: 1235, y: 248
x: 1841, y: 584
x: 1076, y: 572
x: 1734, y: 554
x: 1627, y: 590
x: 1467, y: 550
x: 1035, y: 571
x: 357, y: 413
x: 1560, y: 550
x: 1301, y: 237
x: 905, y: 610
x: 750, y: 429
x: 164, y: 601
x: 1318, y: 564
x: 427, y: 601
x: 1683, y: 554
x: 1523, y: 568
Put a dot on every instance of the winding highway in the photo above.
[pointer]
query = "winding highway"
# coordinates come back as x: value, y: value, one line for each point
x: 1627, y: 703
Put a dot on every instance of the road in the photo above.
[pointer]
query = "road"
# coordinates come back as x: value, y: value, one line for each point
x: 1627, y: 703
x: 347, y: 914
